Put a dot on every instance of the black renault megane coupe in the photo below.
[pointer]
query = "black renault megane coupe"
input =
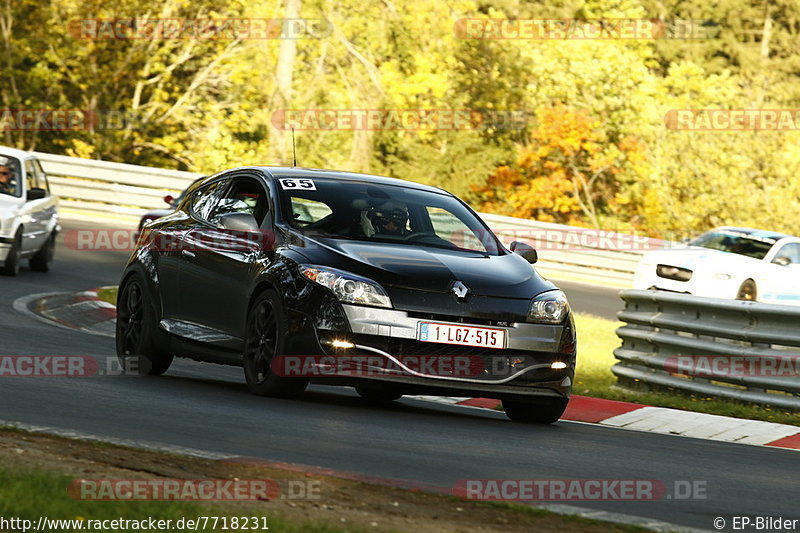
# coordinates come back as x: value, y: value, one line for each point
x: 304, y: 275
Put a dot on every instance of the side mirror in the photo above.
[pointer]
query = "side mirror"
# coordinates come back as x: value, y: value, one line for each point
x: 782, y: 260
x: 169, y: 199
x: 36, y: 194
x: 238, y: 222
x: 525, y: 250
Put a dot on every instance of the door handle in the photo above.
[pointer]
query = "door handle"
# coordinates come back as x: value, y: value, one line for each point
x: 188, y: 255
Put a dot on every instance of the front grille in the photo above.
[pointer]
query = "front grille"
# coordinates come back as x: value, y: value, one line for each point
x: 673, y: 273
x: 459, y: 319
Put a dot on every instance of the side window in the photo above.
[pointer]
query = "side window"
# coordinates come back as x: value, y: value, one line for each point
x: 31, y: 176
x: 205, y: 200
x: 35, y: 176
x: 41, y: 176
x: 246, y: 195
x: 791, y: 251
x: 305, y: 211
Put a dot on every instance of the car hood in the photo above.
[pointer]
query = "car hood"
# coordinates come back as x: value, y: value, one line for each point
x: 424, y: 268
x: 696, y: 257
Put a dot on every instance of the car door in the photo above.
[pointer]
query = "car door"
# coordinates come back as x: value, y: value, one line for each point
x: 216, y: 280
x: 174, y: 250
x: 50, y: 209
x: 39, y: 208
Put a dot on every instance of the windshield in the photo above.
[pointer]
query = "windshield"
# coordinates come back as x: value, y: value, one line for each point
x: 735, y: 243
x: 10, y: 182
x: 363, y: 211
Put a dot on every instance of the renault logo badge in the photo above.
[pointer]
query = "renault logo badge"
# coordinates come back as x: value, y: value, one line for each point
x: 460, y: 289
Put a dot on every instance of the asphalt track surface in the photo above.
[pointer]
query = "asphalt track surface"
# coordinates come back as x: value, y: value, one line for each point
x: 207, y: 407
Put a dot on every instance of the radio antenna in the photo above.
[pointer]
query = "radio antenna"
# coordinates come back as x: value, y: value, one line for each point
x: 294, y: 151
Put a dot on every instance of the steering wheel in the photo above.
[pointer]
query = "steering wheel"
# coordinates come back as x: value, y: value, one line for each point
x: 418, y: 236
x: 429, y: 238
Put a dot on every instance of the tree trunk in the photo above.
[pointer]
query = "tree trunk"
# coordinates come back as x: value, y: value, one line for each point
x: 280, y: 140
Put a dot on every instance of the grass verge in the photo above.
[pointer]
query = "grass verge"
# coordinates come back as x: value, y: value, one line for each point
x: 108, y: 294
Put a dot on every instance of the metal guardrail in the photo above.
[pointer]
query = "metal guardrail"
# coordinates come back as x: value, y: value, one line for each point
x: 604, y: 258
x: 746, y: 351
x: 115, y: 188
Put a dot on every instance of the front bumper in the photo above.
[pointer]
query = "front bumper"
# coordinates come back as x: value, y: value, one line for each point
x: 701, y: 283
x: 522, y: 368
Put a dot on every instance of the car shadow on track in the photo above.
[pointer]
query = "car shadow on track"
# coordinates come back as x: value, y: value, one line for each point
x: 230, y: 390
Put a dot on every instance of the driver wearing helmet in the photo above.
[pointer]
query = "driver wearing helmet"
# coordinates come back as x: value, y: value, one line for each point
x: 388, y: 219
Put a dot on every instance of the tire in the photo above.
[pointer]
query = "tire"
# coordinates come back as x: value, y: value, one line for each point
x: 747, y: 291
x: 267, y: 325
x: 137, y: 331
x: 540, y: 412
x: 378, y: 394
x: 11, y: 265
x: 41, y: 261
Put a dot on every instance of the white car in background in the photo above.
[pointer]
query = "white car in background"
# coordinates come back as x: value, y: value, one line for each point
x: 28, y: 213
x: 728, y: 262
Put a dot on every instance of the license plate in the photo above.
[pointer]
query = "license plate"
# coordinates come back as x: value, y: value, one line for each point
x: 463, y: 335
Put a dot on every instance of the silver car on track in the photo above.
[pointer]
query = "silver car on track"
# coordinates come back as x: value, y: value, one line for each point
x: 28, y: 213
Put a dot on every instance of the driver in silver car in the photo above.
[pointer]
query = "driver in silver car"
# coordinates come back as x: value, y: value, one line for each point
x: 6, y: 185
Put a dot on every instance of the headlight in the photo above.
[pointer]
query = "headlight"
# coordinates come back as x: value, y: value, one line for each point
x: 348, y: 287
x: 549, y: 308
x: 721, y: 275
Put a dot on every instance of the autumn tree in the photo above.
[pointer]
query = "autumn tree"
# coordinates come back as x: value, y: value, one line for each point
x: 568, y: 173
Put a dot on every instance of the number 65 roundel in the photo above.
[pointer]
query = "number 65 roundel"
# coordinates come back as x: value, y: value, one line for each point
x: 297, y: 184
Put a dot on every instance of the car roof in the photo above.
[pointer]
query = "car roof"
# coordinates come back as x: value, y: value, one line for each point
x: 300, y: 172
x: 13, y: 152
x: 757, y: 233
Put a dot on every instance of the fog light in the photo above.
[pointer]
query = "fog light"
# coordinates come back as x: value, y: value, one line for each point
x: 342, y: 344
x: 558, y: 365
